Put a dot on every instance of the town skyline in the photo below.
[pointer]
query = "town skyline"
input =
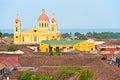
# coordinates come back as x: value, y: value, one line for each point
x: 85, y: 14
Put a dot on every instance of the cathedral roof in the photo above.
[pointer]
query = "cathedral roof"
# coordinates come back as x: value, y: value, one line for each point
x: 17, y: 19
x: 53, y: 20
x: 43, y: 16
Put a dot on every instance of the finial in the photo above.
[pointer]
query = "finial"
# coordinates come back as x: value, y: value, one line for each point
x: 17, y: 15
x: 43, y: 11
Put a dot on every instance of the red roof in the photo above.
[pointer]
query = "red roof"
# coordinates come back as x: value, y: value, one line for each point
x: 43, y: 16
x: 17, y: 20
x: 53, y: 20
x: 2, y: 66
x: 9, y: 60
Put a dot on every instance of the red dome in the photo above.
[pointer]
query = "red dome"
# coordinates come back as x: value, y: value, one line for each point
x: 43, y: 16
x: 53, y: 20
x: 17, y: 20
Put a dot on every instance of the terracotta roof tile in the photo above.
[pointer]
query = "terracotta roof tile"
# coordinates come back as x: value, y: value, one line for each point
x: 2, y: 66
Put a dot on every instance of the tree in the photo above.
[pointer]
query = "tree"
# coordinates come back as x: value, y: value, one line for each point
x: 69, y: 71
x: 65, y: 35
x: 25, y: 76
x: 30, y: 76
x: 58, y: 52
x: 84, y: 74
x: 0, y: 34
x: 7, y: 35
x: 12, y: 48
x: 66, y: 71
x: 50, y: 53
x: 80, y: 36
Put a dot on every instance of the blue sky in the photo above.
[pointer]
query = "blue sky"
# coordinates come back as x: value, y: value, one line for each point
x: 70, y: 14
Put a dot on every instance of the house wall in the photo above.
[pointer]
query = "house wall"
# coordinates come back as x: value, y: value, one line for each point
x: 85, y: 46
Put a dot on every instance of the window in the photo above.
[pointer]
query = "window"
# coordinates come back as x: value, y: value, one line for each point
x: 45, y: 24
x: 39, y: 25
x: 46, y: 38
x: 35, y: 38
x: 42, y: 24
x: 23, y: 39
x: 35, y: 30
x: 53, y: 36
x: 16, y: 36
x: 52, y: 28
x: 16, y: 22
x: 16, y: 29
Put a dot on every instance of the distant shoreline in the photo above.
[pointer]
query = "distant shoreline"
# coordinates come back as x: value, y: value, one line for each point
x: 70, y: 30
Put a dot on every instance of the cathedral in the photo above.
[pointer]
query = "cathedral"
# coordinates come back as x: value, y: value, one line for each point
x: 46, y: 29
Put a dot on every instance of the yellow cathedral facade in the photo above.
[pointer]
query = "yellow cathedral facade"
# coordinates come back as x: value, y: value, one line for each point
x: 45, y: 30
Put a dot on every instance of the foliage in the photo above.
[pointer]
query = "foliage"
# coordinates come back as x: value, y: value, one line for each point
x: 80, y: 36
x: 7, y: 35
x: 0, y: 34
x: 66, y: 71
x: 65, y: 35
x: 50, y: 53
x: 12, y: 48
x: 57, y: 52
x: 102, y: 35
x: 30, y: 76
x: 84, y: 74
x: 25, y: 76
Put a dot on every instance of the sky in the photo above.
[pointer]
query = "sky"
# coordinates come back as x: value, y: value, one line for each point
x: 70, y: 14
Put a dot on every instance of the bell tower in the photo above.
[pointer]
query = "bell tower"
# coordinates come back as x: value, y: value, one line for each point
x: 17, y: 30
x: 53, y: 27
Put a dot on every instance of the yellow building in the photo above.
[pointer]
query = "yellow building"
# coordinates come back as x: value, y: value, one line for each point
x: 67, y: 46
x: 45, y: 30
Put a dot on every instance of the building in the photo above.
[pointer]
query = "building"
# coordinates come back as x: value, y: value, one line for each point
x: 45, y: 30
x: 2, y: 71
x: 66, y: 45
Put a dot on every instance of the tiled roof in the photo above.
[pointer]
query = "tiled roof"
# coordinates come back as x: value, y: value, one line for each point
x: 9, y: 60
x: 2, y: 66
x: 17, y: 20
x: 117, y: 55
x: 43, y: 16
x: 53, y: 20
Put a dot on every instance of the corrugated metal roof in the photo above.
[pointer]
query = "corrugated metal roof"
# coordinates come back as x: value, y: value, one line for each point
x: 61, y: 42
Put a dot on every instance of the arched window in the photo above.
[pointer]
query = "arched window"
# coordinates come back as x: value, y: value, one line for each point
x: 52, y: 28
x: 35, y: 38
x: 45, y: 24
x: 23, y: 39
x: 42, y: 24
x: 16, y: 29
x: 39, y: 25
